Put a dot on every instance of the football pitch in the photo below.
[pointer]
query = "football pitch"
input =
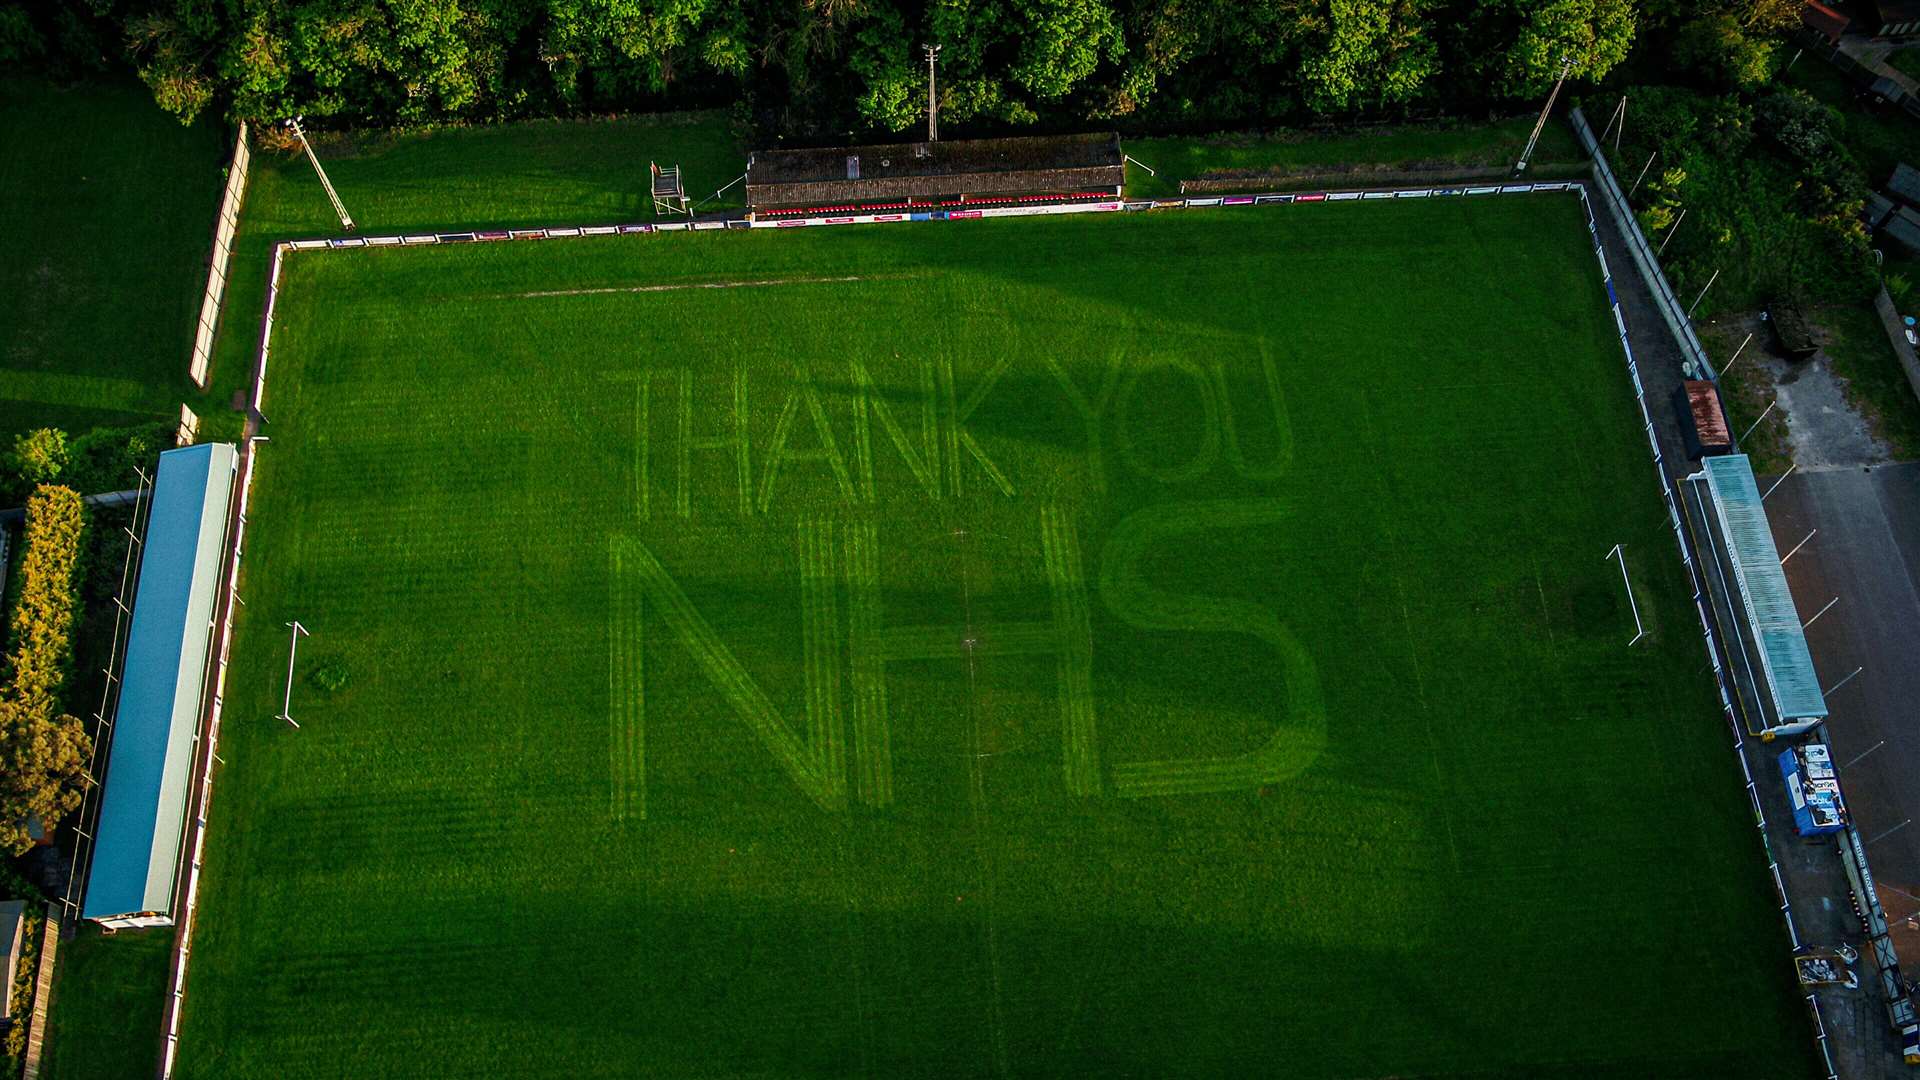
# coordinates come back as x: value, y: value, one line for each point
x: 1164, y: 645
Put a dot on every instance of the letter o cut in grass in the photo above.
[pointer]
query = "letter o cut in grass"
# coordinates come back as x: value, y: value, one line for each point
x: 1204, y: 455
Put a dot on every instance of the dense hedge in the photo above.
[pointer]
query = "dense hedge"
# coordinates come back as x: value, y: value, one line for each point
x: 831, y: 67
x: 43, y: 751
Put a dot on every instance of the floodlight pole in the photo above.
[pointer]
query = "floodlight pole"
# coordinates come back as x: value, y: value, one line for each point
x: 1643, y: 174
x: 1763, y: 416
x: 293, y: 650
x: 1566, y: 66
x: 346, y: 222
x: 1671, y: 229
x: 1703, y: 292
x: 1736, y: 356
x: 933, y: 105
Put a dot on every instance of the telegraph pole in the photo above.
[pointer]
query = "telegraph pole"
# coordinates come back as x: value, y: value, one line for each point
x: 339, y: 208
x: 1566, y: 66
x: 933, y: 106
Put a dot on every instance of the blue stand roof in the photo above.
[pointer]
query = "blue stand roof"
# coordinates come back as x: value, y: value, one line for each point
x: 1771, y: 614
x: 143, y: 808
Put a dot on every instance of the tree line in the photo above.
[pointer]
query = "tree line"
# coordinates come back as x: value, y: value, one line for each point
x: 839, y: 66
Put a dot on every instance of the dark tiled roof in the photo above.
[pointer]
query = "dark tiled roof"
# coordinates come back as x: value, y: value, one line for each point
x: 964, y: 166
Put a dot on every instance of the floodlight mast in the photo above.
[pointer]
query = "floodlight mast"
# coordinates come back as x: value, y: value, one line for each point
x: 1566, y: 67
x: 339, y: 208
x: 933, y: 105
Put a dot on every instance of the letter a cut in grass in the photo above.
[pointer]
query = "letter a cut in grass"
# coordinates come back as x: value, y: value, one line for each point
x: 976, y: 656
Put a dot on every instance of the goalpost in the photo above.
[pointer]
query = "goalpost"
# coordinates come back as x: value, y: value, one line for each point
x: 1620, y: 552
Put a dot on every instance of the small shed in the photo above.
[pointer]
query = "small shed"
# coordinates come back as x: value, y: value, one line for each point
x: 1824, y: 21
x: 898, y: 173
x: 1904, y: 184
x: 145, y: 794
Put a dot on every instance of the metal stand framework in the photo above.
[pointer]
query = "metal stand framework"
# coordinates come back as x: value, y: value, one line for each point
x: 669, y: 194
x: 109, y: 698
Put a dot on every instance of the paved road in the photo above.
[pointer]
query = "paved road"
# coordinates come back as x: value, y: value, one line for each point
x: 1867, y: 553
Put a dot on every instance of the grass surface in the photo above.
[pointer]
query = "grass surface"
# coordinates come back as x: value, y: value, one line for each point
x: 1262, y: 708
x: 110, y: 206
x: 517, y: 175
x: 107, y: 998
x: 1906, y: 61
x: 1177, y: 159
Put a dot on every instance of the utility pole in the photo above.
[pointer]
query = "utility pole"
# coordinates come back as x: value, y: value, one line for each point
x: 339, y: 208
x: 1566, y: 66
x: 933, y: 104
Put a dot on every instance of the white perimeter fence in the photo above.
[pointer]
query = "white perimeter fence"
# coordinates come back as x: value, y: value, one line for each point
x: 204, y: 779
x: 223, y: 230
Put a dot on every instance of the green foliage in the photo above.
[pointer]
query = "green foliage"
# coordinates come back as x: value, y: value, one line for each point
x: 1772, y: 197
x: 819, y: 66
x: 43, y: 752
x: 39, y: 456
x: 1377, y: 52
x: 1725, y: 52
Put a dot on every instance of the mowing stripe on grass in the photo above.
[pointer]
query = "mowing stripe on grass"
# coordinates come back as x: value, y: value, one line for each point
x: 828, y: 452
x: 735, y: 444
x: 802, y: 763
x: 820, y: 637
x: 872, y: 743
x: 1073, y: 632
x: 626, y: 691
x: 1298, y: 740
x: 924, y: 463
x: 1282, y: 425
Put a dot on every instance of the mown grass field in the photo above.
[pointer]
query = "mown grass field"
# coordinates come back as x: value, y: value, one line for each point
x: 1170, y: 645
x: 110, y: 206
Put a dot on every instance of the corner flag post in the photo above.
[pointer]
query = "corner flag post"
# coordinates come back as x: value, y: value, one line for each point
x: 293, y: 650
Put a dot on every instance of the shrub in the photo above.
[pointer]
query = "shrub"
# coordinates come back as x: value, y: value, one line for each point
x: 43, y: 752
x: 332, y: 676
x: 39, y: 456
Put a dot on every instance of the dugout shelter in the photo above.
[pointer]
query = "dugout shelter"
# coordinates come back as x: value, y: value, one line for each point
x: 138, y: 843
x: 895, y: 174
